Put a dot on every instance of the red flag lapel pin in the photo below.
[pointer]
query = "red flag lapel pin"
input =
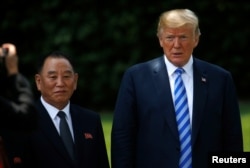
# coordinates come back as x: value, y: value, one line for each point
x: 17, y: 160
x: 203, y: 79
x: 88, y: 136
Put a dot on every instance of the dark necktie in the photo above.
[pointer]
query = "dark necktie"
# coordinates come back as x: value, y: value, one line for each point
x: 183, y: 121
x: 65, y: 134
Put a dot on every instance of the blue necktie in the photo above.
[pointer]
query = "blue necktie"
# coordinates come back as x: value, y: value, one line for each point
x: 66, y: 135
x: 183, y: 121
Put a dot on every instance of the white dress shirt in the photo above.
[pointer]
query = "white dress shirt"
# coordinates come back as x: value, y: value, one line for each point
x: 187, y: 78
x: 52, y: 111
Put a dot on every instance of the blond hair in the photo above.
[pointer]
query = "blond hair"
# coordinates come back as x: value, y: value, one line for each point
x: 177, y: 18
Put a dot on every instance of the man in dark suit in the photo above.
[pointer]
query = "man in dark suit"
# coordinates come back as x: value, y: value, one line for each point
x: 17, y: 110
x: 57, y: 80
x: 145, y: 132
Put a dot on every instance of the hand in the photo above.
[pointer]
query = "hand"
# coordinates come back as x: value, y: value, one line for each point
x: 11, y: 59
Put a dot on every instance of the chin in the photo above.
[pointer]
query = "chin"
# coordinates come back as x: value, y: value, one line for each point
x: 178, y: 63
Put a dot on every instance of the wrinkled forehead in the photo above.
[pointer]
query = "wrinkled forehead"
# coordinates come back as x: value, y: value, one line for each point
x: 57, y: 64
x: 181, y: 30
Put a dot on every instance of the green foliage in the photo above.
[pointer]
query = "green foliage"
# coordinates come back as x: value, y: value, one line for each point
x: 106, y: 39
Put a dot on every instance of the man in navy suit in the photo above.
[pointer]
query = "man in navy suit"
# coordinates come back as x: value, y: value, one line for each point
x: 144, y: 132
x: 57, y: 80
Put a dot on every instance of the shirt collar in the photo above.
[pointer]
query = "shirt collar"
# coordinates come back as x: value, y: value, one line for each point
x: 188, y: 67
x: 53, y: 111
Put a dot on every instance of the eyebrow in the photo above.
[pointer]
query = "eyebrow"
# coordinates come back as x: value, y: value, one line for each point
x: 67, y: 71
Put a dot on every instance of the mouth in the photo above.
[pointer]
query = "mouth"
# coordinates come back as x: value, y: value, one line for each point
x: 177, y: 54
x: 60, y: 92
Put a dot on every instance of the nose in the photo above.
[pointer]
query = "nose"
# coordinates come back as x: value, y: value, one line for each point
x: 176, y: 42
x: 60, y: 81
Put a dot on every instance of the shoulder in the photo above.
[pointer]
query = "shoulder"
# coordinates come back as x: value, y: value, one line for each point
x: 82, y: 111
x: 147, y: 65
x: 85, y: 116
x: 209, y: 67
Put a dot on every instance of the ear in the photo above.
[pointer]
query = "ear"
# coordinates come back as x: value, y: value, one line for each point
x: 160, y: 40
x: 38, y: 81
x: 196, y: 40
x: 76, y: 80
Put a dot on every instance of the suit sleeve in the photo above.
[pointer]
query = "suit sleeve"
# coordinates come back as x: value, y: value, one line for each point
x: 17, y: 105
x: 123, y: 135
x: 104, y: 162
x: 232, y: 134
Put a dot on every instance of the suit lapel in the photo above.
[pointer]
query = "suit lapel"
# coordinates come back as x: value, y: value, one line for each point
x: 49, y: 131
x: 162, y: 85
x: 78, y: 134
x: 199, y: 98
x: 161, y: 81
